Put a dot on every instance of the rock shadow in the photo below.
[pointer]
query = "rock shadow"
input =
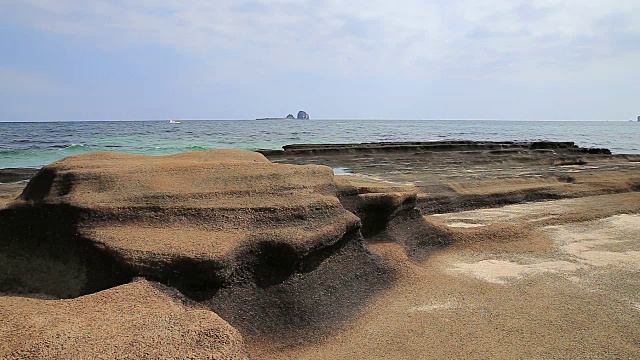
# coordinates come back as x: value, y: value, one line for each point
x: 328, y: 290
x: 42, y: 253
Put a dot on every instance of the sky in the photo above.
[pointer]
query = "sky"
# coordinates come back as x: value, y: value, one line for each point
x: 403, y: 59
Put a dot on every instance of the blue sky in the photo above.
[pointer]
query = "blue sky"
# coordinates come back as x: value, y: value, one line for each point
x: 222, y: 59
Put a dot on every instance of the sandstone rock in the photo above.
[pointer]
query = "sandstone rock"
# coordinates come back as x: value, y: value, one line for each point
x: 269, y: 247
x: 197, y: 221
x: 428, y: 146
x: 389, y: 214
x: 141, y: 320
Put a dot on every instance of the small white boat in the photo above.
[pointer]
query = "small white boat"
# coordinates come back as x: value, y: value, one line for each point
x: 174, y: 122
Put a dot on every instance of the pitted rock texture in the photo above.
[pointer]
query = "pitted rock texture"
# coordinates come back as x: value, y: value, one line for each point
x: 502, y: 147
x: 141, y: 320
x: 389, y: 213
x: 200, y: 220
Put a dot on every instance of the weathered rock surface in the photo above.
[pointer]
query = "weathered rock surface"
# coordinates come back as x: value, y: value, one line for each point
x: 141, y: 320
x: 434, y: 146
x: 195, y: 220
x: 97, y: 221
x: 269, y: 247
x: 10, y: 175
x: 389, y: 213
x: 262, y: 246
x: 461, y: 175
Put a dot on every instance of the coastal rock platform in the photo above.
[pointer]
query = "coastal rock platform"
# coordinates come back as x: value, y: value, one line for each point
x: 463, y: 175
x: 489, y: 250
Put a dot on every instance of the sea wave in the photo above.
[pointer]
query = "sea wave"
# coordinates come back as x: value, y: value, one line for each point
x: 24, y: 144
x: 69, y: 146
x: 183, y: 148
x: 196, y: 147
x: 14, y: 152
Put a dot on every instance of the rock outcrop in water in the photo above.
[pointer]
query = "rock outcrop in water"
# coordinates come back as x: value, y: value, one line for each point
x: 435, y: 146
x: 460, y: 175
x: 302, y: 115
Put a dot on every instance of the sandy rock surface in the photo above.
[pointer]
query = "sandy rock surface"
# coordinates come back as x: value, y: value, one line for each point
x: 456, y: 176
x: 141, y: 320
x: 202, y: 219
x: 269, y: 247
x: 563, y: 291
x: 411, y: 253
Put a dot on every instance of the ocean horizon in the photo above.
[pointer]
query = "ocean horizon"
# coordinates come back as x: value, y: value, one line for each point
x: 310, y: 120
x: 35, y: 144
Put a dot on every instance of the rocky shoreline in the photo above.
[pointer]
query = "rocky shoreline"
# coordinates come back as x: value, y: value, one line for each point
x: 433, y: 146
x: 268, y: 254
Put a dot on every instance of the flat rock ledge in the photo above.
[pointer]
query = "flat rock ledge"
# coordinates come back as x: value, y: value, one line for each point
x: 434, y: 146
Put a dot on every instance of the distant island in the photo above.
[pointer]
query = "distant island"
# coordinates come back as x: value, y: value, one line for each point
x: 302, y: 115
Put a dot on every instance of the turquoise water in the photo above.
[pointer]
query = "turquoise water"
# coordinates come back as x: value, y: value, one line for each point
x: 38, y: 144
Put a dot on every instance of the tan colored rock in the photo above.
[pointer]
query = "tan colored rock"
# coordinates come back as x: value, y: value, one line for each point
x: 192, y: 220
x: 141, y: 320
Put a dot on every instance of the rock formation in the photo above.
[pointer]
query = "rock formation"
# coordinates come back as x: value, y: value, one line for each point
x: 302, y: 115
x: 290, y: 116
x: 436, y: 146
x: 141, y: 320
x: 199, y: 220
x: 389, y: 213
x: 238, y: 250
x: 249, y: 239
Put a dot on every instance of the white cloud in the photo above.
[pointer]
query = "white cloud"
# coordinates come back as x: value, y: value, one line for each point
x: 410, y: 38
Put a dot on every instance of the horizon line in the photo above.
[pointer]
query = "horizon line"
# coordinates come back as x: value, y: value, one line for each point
x: 318, y: 119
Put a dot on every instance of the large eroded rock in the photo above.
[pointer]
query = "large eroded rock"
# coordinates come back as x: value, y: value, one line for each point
x: 197, y: 221
x: 141, y: 320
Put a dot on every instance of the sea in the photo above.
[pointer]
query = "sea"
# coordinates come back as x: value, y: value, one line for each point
x: 35, y: 144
